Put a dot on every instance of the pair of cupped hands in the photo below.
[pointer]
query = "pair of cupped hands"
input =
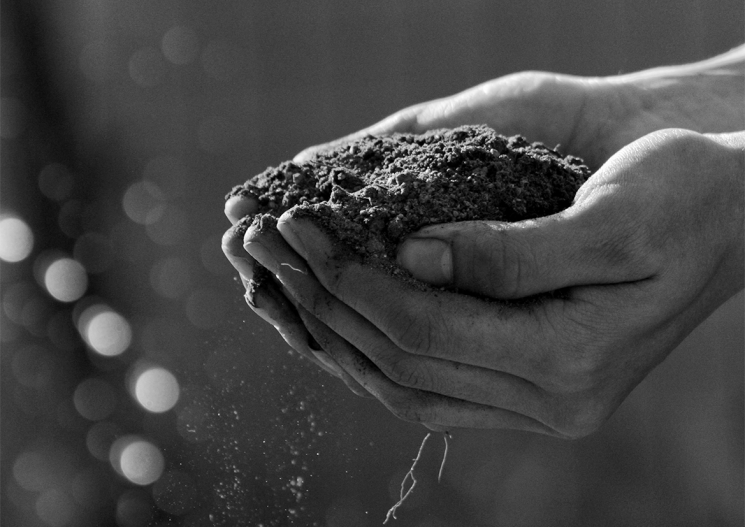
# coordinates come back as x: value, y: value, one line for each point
x: 652, y: 244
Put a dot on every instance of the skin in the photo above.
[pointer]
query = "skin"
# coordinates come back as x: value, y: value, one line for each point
x: 651, y: 246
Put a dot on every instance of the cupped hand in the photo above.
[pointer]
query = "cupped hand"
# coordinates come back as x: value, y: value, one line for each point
x: 590, y: 117
x: 268, y: 299
x: 652, y: 245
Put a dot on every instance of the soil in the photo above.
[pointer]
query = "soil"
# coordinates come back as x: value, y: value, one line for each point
x: 371, y: 193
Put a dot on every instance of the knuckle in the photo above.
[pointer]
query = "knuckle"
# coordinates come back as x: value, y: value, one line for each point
x: 412, y: 337
x: 513, y: 262
x: 631, y: 246
x: 680, y: 142
x: 331, y: 275
x: 409, y: 373
x: 579, y: 416
x: 576, y: 365
x: 576, y: 371
x: 318, y: 303
x: 624, y: 238
x: 413, y: 330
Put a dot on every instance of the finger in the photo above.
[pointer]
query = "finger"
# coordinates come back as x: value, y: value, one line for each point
x: 453, y: 379
x: 588, y: 244
x: 268, y: 301
x: 495, y: 335
x: 567, y: 404
x: 414, y: 405
x: 461, y: 381
x: 239, y: 205
x: 232, y: 247
x: 283, y: 314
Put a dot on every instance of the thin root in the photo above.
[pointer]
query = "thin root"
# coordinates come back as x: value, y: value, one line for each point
x: 410, y: 475
x: 444, y: 456
x: 301, y: 271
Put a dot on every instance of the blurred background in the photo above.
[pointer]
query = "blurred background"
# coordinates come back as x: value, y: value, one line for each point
x: 139, y: 389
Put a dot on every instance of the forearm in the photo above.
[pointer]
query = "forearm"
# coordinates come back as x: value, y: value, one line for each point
x: 706, y: 96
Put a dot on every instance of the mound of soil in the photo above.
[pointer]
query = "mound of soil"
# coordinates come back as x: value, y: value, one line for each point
x: 371, y: 193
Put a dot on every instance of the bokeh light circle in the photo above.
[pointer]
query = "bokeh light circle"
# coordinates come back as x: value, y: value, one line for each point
x: 180, y: 45
x: 65, y: 279
x: 157, y: 390
x: 31, y: 470
x: 138, y: 460
x: 16, y: 239
x: 105, y: 331
x: 143, y: 202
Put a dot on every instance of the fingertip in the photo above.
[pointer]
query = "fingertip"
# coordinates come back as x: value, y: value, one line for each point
x: 305, y: 155
x: 240, y: 206
x: 232, y: 248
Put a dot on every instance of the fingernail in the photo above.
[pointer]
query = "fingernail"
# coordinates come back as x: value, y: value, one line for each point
x: 428, y: 259
x: 262, y: 255
x: 291, y: 237
x: 313, y: 344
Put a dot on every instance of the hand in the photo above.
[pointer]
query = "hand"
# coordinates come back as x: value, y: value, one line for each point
x: 268, y: 299
x: 591, y: 117
x: 652, y: 245
x: 588, y: 117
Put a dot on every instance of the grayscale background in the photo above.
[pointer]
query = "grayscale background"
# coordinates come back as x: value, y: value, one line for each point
x: 138, y: 388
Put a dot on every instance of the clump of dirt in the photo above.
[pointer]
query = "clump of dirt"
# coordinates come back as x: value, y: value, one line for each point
x: 371, y: 193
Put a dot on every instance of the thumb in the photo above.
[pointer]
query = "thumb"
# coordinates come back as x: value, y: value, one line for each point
x: 579, y: 246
